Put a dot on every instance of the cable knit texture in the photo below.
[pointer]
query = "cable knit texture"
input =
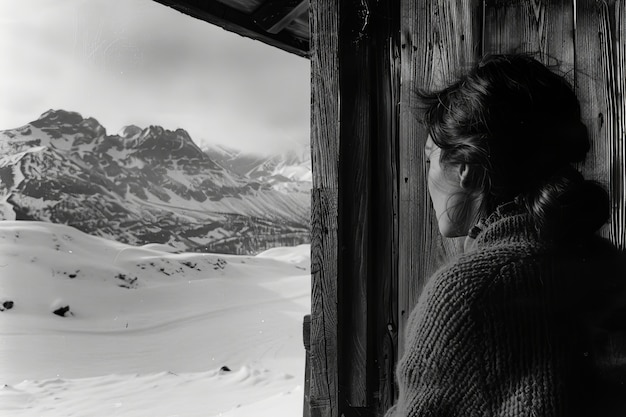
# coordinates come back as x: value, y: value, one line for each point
x: 498, y: 331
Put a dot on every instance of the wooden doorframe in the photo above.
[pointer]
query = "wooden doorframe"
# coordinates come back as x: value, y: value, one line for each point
x: 374, y: 239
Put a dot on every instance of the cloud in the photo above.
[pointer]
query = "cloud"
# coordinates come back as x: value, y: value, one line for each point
x: 137, y: 61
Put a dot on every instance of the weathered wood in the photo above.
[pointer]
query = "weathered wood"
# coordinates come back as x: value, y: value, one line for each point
x: 440, y: 39
x: 542, y: 28
x: 355, y: 203
x: 233, y: 20
x: 275, y: 15
x: 306, y: 338
x: 355, y: 206
x: 619, y: 168
x: 366, y: 109
x: 600, y: 85
x: 386, y: 86
x: 325, y: 137
x: 324, y: 94
x: 324, y: 349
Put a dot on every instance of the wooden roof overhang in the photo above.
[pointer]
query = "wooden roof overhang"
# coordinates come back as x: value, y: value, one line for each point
x: 280, y: 23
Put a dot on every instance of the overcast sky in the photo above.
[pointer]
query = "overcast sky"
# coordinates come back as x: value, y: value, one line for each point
x: 139, y: 62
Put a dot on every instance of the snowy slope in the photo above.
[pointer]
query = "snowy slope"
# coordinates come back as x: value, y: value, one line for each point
x: 148, y: 330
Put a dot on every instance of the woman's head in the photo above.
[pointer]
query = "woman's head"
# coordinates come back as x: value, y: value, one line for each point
x: 456, y: 204
x: 509, y: 130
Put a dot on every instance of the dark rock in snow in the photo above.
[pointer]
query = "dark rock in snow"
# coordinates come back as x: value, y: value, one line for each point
x: 224, y: 369
x: 7, y: 305
x: 62, y: 311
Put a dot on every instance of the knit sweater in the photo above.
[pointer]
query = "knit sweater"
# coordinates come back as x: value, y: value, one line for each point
x: 501, y: 330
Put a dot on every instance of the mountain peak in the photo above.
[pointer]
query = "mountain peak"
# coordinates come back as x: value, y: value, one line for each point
x: 130, y: 132
x: 156, y: 142
x: 60, y: 116
x: 60, y: 123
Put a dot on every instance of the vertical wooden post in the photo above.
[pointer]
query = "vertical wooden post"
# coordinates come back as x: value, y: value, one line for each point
x: 324, y: 21
x: 306, y: 338
x: 439, y: 39
x: 384, y: 299
x: 600, y: 84
x: 355, y: 174
x: 355, y: 79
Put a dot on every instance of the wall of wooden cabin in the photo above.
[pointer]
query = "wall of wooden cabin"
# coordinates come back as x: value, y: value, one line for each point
x: 374, y: 239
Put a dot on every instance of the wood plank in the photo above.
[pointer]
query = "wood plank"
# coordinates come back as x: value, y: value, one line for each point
x: 324, y: 95
x: 542, y: 28
x: 600, y: 84
x: 324, y: 350
x: 275, y: 15
x: 386, y: 86
x: 439, y: 39
x: 324, y: 207
x: 233, y: 20
x: 618, y: 228
x: 355, y: 201
x: 306, y: 338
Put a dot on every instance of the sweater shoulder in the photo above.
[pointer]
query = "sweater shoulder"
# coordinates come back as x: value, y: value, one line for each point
x: 485, y: 263
x: 468, y: 276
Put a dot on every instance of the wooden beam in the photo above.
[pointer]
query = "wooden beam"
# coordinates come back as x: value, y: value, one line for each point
x: 232, y: 20
x: 275, y: 15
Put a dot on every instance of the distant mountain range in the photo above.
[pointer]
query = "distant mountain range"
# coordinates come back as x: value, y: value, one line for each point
x: 289, y: 171
x: 152, y: 185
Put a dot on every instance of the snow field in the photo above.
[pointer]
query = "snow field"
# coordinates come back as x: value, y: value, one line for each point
x: 149, y: 330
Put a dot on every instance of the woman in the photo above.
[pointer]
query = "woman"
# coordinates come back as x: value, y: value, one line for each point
x: 511, y: 327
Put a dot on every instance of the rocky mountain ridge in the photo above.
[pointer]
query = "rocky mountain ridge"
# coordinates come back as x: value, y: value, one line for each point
x: 141, y: 186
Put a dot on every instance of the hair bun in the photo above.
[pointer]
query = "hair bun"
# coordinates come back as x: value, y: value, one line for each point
x: 567, y: 206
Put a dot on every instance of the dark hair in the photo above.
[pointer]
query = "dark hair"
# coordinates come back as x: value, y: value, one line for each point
x: 519, y: 125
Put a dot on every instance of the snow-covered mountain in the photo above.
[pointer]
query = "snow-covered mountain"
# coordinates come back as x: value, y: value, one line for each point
x: 287, y: 171
x: 141, y: 186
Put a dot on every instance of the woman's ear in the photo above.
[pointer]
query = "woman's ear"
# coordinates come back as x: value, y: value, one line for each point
x: 467, y: 176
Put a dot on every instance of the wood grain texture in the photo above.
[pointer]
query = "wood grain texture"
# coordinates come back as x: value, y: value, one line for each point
x: 324, y: 94
x: 306, y: 339
x: 543, y: 28
x: 323, y: 396
x: 386, y: 85
x: 439, y: 40
x: 600, y: 85
x: 355, y: 174
x: 618, y: 224
x: 324, y: 207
